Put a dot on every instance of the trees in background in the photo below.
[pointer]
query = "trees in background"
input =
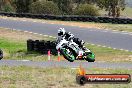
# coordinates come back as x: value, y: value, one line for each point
x: 112, y: 6
x: 22, y: 6
x: 86, y: 9
x: 44, y: 7
x: 6, y: 6
x: 68, y: 7
x: 65, y: 6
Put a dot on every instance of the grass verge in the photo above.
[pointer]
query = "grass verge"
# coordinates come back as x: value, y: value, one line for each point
x: 32, y: 77
x: 13, y: 43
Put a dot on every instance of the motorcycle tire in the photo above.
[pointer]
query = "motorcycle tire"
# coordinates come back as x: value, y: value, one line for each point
x: 67, y: 56
x: 90, y: 58
x: 1, y: 54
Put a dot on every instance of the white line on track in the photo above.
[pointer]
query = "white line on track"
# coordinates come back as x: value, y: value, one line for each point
x: 55, y: 37
x: 99, y: 45
x: 122, y: 49
x: 51, y: 36
x: 109, y: 47
x: 93, y: 44
x: 40, y: 34
x: 127, y: 50
x: 45, y: 35
x: 14, y: 19
x: 25, y: 31
x: 52, y: 23
x: 24, y: 60
x: 106, y: 30
x: 31, y: 32
x: 35, y: 33
x: 34, y: 21
x: 103, y: 46
x: 75, y: 68
x: 116, y: 31
x: 123, y: 31
x: 24, y: 20
x: 114, y: 48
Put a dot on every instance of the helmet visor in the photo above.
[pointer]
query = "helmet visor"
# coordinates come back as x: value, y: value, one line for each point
x: 61, y: 33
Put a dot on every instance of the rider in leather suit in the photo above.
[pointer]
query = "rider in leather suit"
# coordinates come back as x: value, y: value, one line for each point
x: 68, y: 36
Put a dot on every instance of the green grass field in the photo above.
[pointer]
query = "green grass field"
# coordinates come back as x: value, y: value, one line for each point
x: 32, y: 77
x: 14, y: 45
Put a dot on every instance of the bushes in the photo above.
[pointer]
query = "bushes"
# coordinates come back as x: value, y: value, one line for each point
x: 44, y: 7
x: 86, y: 9
x: 22, y: 6
x: 7, y: 8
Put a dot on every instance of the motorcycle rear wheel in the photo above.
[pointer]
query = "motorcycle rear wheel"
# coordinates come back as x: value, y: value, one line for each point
x: 68, y: 55
x: 90, y: 57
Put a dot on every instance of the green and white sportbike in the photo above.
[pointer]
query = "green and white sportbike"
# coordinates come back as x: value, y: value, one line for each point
x: 71, y: 51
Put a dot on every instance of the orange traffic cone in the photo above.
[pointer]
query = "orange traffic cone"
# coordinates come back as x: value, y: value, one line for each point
x: 81, y: 71
x: 58, y: 55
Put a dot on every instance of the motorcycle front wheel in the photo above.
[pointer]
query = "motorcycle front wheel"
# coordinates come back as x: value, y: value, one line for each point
x: 68, y: 54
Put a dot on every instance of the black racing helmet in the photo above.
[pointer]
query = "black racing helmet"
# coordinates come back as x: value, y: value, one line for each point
x: 61, y: 32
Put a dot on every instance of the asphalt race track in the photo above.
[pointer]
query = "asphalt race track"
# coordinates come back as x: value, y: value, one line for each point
x: 73, y: 65
x: 114, y: 39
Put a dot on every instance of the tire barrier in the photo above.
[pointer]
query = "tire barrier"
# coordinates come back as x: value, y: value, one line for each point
x: 1, y: 54
x: 71, y: 18
x: 42, y: 46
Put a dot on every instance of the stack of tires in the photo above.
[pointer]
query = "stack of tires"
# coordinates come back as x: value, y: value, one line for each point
x: 71, y: 18
x: 41, y: 46
x: 1, y: 54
